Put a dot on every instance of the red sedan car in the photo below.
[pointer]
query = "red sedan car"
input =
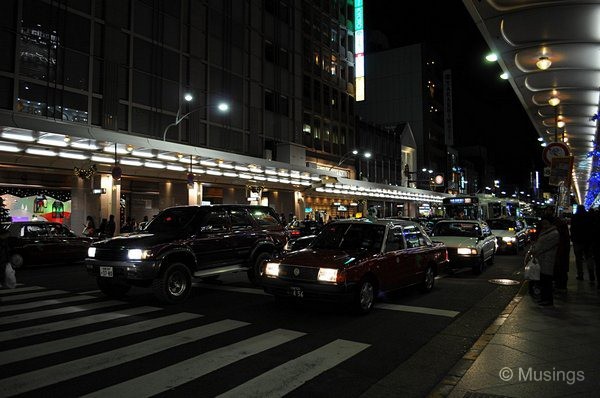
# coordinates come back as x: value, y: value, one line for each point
x: 354, y: 260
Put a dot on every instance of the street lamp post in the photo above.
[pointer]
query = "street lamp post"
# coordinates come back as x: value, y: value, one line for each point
x: 221, y: 106
x: 347, y: 155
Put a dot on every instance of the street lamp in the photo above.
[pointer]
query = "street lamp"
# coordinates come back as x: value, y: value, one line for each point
x: 188, y: 97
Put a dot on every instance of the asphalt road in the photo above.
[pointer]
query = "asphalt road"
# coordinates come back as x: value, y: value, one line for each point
x: 60, y: 337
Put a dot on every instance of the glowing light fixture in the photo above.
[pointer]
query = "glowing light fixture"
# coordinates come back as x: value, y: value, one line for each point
x: 504, y: 76
x: 540, y: 139
x: 188, y: 97
x: 554, y: 101
x: 543, y: 63
x: 560, y: 124
x: 491, y: 57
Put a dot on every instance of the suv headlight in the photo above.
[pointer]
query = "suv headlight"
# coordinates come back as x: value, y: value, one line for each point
x: 91, y: 252
x: 272, y: 269
x: 508, y: 238
x: 138, y: 254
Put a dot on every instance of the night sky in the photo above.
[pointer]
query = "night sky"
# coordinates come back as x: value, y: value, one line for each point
x: 486, y: 109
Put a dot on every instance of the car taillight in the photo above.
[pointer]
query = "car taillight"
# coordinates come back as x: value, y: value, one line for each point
x: 295, y: 232
x: 446, y: 254
x: 341, y: 276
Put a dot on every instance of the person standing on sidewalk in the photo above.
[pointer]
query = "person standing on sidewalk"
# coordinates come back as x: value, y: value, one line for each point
x: 596, y: 243
x: 545, y: 251
x: 561, y: 268
x: 582, y: 230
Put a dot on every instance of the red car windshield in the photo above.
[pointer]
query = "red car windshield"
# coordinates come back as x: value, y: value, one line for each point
x: 350, y: 236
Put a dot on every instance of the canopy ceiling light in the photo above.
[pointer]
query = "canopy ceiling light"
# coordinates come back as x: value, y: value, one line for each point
x: 560, y: 124
x: 543, y: 63
x: 554, y: 101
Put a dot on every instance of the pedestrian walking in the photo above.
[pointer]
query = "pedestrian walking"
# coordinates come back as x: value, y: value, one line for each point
x: 582, y: 230
x: 561, y: 267
x: 101, y: 231
x: 7, y: 273
x: 545, y: 250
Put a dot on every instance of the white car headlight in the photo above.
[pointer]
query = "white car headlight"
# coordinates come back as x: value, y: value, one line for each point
x: 466, y: 250
x: 327, y: 275
x: 272, y: 269
x: 509, y: 238
x: 91, y: 252
x: 138, y: 254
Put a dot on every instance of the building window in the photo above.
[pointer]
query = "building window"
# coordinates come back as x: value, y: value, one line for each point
x: 284, y: 105
x: 269, y: 101
x: 269, y: 52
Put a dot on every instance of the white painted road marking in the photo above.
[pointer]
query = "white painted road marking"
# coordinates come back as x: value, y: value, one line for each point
x: 287, y: 377
x: 68, y: 370
x: 416, y: 310
x: 43, y: 303
x: 68, y: 343
x: 20, y: 289
x: 72, y: 323
x: 57, y: 311
x: 33, y: 295
x: 193, y: 368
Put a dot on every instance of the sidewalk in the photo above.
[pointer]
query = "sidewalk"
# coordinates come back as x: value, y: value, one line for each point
x: 535, y: 351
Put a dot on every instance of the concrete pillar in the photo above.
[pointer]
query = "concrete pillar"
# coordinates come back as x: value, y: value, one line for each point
x: 83, y: 203
x: 299, y: 205
x: 165, y: 198
x: 110, y: 202
x: 195, y: 194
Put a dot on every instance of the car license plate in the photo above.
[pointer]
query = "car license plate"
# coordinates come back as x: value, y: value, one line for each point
x: 106, y: 272
x: 296, y: 292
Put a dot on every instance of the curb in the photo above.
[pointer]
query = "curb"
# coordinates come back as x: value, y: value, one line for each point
x: 454, y: 375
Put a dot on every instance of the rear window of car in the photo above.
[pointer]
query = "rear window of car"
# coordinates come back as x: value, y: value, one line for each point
x: 456, y: 229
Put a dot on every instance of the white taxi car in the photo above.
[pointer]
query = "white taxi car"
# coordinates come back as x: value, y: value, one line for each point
x: 469, y: 242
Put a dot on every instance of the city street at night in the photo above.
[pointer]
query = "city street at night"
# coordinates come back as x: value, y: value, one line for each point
x: 62, y: 337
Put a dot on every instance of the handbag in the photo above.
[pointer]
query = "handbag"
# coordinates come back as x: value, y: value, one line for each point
x: 10, y: 280
x: 532, y: 270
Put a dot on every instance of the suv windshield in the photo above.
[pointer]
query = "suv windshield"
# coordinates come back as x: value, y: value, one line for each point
x: 350, y: 236
x: 456, y: 229
x: 172, y: 220
x: 501, y: 224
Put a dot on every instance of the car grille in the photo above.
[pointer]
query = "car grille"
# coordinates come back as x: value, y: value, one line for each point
x: 111, y: 254
x: 304, y: 273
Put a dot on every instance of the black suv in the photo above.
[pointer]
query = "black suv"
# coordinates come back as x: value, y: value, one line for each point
x: 185, y: 242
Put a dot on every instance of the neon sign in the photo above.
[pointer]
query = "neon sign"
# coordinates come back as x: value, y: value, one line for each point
x: 359, y: 48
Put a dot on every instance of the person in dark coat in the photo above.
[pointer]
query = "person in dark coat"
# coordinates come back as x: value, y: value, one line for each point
x: 4, y: 255
x: 596, y: 243
x: 101, y: 231
x: 561, y: 267
x: 111, y: 226
x: 582, y: 233
x: 545, y: 249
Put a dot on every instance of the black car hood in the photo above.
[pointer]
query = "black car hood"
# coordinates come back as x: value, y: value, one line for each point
x: 138, y: 240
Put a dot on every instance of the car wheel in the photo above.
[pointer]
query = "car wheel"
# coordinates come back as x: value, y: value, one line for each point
x: 479, y: 267
x: 112, y: 287
x: 365, y: 296
x: 492, y: 258
x: 175, y: 284
x: 16, y: 260
x: 428, y: 280
x: 254, y: 271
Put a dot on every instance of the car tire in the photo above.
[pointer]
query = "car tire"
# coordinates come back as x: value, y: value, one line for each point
x: 364, y: 299
x: 112, y: 287
x: 254, y: 271
x: 480, y: 266
x: 492, y: 258
x: 174, y: 285
x: 428, y: 280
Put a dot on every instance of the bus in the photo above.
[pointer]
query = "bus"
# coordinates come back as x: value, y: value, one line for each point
x: 481, y: 207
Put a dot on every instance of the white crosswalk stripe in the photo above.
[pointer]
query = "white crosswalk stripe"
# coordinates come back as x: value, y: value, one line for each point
x: 32, y: 295
x: 71, y: 323
x: 291, y: 375
x: 42, y: 303
x: 188, y: 370
x: 37, y: 350
x: 47, y: 370
x: 20, y: 289
x: 67, y: 370
x: 57, y: 311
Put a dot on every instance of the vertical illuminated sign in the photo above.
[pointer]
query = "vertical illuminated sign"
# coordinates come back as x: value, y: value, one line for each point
x: 359, y: 48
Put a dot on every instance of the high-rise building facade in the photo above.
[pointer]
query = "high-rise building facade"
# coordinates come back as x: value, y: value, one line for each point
x: 150, y: 104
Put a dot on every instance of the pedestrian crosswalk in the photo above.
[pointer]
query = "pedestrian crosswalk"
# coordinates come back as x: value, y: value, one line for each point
x: 46, y: 343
